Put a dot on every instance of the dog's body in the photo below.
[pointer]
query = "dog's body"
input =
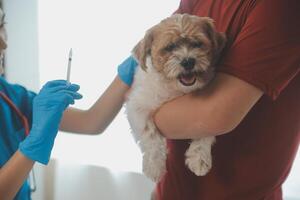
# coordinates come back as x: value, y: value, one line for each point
x: 155, y: 84
x: 146, y: 96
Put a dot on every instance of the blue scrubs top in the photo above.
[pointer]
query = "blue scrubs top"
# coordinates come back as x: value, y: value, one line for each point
x: 11, y: 128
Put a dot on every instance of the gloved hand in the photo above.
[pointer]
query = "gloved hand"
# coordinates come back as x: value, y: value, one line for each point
x: 48, y: 108
x: 126, y: 70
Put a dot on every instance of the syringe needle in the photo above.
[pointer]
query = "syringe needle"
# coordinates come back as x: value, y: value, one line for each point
x: 69, y: 65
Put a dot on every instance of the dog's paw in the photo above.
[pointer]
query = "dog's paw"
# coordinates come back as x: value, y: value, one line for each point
x: 198, y: 162
x: 153, y: 170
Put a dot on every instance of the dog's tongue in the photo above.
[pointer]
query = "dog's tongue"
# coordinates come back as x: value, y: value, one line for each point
x: 187, y: 79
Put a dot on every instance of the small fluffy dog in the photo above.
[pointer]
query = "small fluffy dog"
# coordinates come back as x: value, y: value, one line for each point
x: 176, y: 57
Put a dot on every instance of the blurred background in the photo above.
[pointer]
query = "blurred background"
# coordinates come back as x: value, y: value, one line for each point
x: 102, y: 34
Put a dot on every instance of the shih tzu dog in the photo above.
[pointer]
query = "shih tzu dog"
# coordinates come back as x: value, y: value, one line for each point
x: 175, y: 57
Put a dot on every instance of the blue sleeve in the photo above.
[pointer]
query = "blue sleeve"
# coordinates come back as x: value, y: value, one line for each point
x: 21, y: 97
x: 126, y: 70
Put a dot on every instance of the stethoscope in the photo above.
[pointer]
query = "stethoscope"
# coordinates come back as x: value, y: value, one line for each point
x: 32, y: 182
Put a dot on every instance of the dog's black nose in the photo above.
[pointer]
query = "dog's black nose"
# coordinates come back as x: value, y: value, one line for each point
x: 188, y: 63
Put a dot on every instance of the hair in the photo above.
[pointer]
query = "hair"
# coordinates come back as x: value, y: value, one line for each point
x: 2, y: 60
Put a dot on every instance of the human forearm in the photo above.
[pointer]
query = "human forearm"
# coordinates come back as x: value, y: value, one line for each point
x: 100, y: 115
x: 216, y: 110
x: 47, y: 109
x: 13, y: 174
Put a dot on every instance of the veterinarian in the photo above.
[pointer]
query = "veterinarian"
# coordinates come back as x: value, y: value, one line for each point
x: 252, y: 106
x: 29, y: 121
x: 28, y: 127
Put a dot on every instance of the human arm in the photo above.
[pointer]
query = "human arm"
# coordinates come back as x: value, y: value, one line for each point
x: 96, y: 119
x: 47, y: 108
x: 13, y: 174
x: 264, y: 54
x: 216, y: 110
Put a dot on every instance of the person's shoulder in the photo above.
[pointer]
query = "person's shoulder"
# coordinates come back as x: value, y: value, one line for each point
x: 4, y: 85
x: 279, y: 8
x: 276, y: 20
x: 12, y: 89
x: 2, y: 80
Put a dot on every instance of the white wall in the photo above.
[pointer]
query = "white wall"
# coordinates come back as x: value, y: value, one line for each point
x: 22, y: 52
x: 66, y: 181
x: 291, y: 188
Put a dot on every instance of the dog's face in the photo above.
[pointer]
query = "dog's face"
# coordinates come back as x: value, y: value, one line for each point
x: 183, y: 48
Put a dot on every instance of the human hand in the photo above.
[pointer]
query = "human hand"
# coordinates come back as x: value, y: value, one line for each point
x: 126, y: 70
x: 48, y: 108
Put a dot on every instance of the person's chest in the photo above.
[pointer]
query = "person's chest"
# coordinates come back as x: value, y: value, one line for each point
x: 11, y: 131
x: 229, y: 15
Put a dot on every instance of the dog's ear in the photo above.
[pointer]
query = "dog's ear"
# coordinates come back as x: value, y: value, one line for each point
x: 218, y: 39
x: 143, y: 48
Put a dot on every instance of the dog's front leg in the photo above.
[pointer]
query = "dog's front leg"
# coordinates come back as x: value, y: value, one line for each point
x: 198, y: 156
x: 154, y: 149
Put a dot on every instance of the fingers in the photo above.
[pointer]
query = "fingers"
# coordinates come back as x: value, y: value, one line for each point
x: 74, y: 95
x: 64, y: 98
x: 70, y: 87
x: 73, y: 87
x: 55, y: 83
x: 61, y: 84
x: 60, y: 93
x: 67, y: 99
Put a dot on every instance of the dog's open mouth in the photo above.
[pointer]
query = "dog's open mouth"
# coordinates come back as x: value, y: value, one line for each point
x: 188, y: 79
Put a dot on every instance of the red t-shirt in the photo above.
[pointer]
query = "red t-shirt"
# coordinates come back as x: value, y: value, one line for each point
x: 252, y: 161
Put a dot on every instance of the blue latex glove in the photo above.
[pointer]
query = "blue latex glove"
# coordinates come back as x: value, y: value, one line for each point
x: 48, y: 108
x: 126, y: 70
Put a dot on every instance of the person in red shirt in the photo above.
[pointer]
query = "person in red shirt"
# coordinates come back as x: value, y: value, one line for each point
x: 252, y: 105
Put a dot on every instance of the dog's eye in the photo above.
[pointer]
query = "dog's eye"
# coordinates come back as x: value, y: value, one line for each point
x: 197, y: 45
x: 170, y: 47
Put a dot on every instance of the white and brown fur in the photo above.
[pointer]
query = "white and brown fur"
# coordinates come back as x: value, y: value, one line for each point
x: 163, y: 54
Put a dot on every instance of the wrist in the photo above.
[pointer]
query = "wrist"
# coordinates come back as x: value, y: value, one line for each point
x: 37, y: 148
x: 22, y: 156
